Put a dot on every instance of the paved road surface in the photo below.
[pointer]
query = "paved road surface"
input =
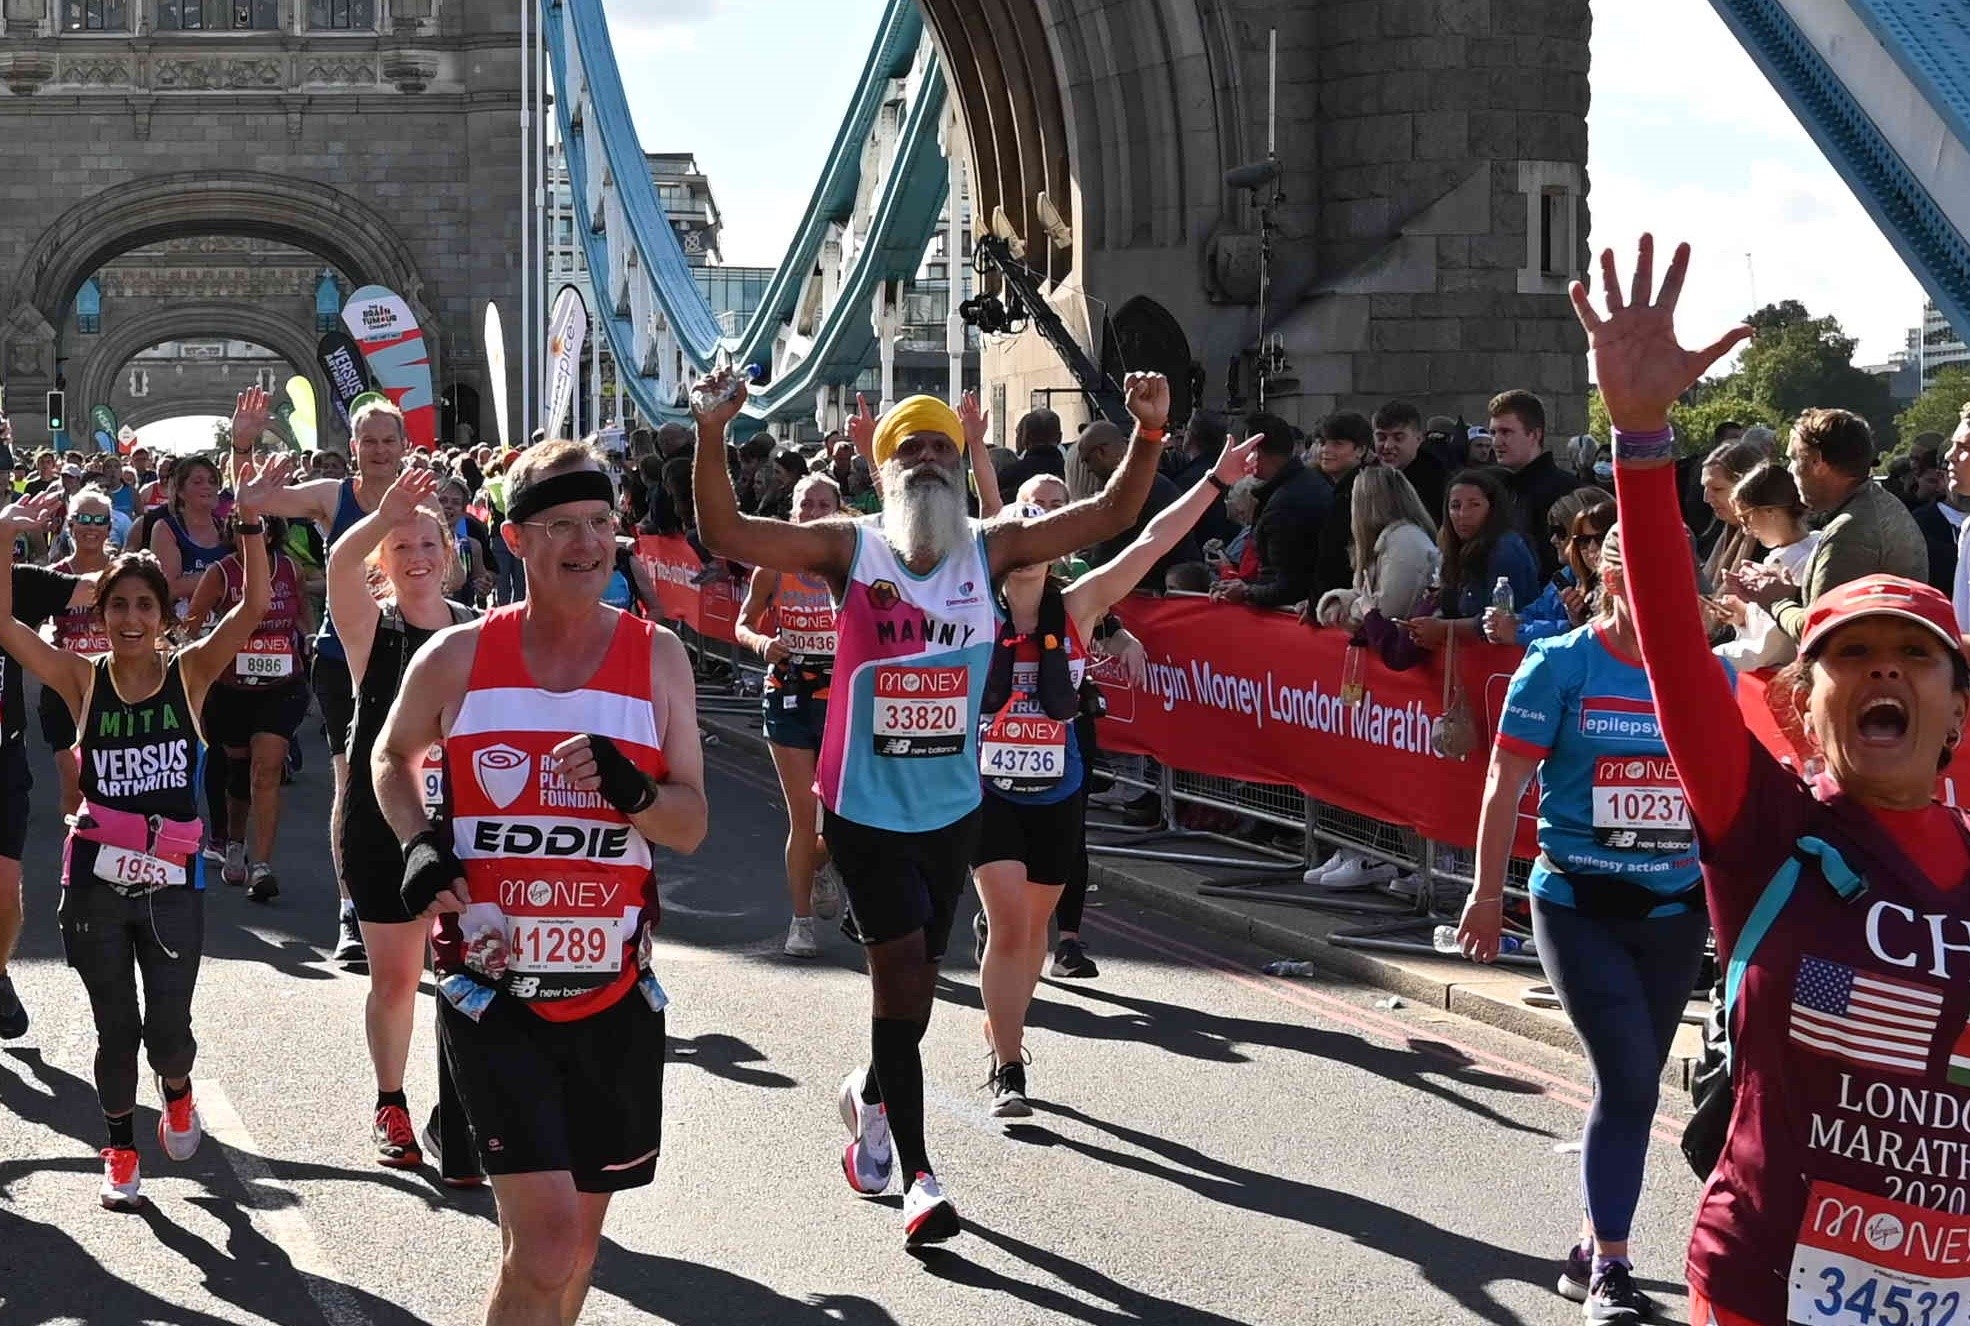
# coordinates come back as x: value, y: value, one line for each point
x: 1211, y: 1145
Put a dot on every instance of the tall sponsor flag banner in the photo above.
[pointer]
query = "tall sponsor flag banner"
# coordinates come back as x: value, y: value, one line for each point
x: 106, y: 443
x: 394, y: 347
x: 104, y: 419
x: 567, y: 328
x: 348, y: 376
x: 495, y: 337
x: 301, y: 417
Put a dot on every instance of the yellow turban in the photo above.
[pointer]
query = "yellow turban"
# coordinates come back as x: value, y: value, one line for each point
x: 917, y: 414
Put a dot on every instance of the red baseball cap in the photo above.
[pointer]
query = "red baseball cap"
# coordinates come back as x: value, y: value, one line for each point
x: 1881, y: 596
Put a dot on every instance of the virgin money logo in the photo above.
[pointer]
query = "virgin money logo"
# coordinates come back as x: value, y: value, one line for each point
x: 503, y: 772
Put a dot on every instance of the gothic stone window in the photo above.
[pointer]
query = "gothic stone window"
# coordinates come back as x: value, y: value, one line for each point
x: 95, y: 15
x: 218, y: 15
x: 342, y: 15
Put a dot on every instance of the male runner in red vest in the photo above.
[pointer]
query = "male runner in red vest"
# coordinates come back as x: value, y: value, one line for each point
x: 571, y: 750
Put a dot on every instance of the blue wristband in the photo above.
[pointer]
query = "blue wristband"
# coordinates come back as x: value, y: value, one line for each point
x: 1644, y: 446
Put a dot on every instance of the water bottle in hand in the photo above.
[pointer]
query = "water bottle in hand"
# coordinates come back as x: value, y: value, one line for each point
x: 1501, y: 595
x: 1445, y: 942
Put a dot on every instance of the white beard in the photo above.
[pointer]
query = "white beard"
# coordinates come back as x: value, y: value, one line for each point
x: 924, y: 520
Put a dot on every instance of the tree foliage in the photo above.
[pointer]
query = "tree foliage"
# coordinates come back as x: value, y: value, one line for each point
x: 1940, y: 408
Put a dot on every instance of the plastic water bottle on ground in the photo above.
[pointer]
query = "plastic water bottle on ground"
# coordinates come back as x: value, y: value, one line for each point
x: 1445, y: 942
x: 1287, y: 967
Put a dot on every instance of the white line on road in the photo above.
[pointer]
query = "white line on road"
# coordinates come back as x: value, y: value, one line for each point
x: 276, y: 1208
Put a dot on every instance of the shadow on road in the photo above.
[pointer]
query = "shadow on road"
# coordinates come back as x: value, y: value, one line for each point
x: 1193, y: 1034
x: 727, y: 1057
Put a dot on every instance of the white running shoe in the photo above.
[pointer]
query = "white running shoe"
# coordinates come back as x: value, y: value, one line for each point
x: 1407, y: 884
x: 826, y: 894
x: 179, y: 1129
x: 928, y: 1215
x: 800, y: 938
x: 868, y: 1159
x: 123, y: 1187
x: 234, y: 870
x: 1351, y: 870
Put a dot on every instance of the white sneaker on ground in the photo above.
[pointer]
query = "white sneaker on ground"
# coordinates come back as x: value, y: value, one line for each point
x: 1407, y: 884
x: 800, y: 938
x: 928, y: 1215
x: 123, y: 1187
x: 868, y: 1159
x: 1351, y: 870
x: 826, y: 894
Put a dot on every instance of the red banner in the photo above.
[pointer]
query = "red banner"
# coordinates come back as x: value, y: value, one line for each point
x: 1256, y: 696
x: 710, y: 608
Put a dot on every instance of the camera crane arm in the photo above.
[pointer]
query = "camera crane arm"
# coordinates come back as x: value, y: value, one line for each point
x: 990, y: 254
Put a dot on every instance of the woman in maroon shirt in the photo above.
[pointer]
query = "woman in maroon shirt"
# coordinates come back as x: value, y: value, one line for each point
x: 1842, y: 1192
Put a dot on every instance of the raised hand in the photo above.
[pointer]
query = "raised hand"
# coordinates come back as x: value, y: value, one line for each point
x: 250, y: 415
x: 1238, y: 459
x: 711, y: 387
x: 1148, y: 399
x: 413, y: 486
x: 30, y: 514
x: 259, y: 482
x: 862, y: 431
x: 1639, y: 365
x: 975, y: 419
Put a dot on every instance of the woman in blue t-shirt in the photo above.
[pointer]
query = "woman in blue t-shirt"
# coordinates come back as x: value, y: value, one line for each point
x: 1617, y: 899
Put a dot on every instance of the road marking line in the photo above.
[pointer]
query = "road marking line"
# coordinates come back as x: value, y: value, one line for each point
x: 1558, y: 1088
x: 281, y: 1222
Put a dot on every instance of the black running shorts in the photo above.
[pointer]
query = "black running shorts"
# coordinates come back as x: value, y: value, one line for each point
x: 234, y: 715
x: 899, y: 882
x: 57, y: 723
x: 15, y: 781
x: 336, y: 695
x: 1046, y: 839
x: 585, y: 1097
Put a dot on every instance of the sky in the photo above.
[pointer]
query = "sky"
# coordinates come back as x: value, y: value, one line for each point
x: 1686, y: 138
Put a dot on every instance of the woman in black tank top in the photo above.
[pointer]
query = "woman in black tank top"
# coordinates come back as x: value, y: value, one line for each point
x: 131, y: 897
x: 386, y: 595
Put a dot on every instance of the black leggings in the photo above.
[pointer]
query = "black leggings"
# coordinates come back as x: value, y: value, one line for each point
x: 1067, y: 912
x: 1623, y: 982
x: 109, y: 940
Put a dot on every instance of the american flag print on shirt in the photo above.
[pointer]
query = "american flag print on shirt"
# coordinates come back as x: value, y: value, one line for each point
x: 1874, y: 1021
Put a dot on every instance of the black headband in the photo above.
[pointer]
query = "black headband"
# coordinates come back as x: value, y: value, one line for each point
x: 555, y: 489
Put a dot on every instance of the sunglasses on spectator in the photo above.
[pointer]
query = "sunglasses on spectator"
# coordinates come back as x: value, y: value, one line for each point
x: 89, y: 520
x: 1587, y: 540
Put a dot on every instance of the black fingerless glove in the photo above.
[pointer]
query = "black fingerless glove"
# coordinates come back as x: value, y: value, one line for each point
x: 430, y: 867
x: 623, y: 785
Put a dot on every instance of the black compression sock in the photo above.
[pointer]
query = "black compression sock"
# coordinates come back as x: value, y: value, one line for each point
x: 176, y: 1093
x: 396, y: 1098
x: 122, y: 1129
x: 899, y: 1064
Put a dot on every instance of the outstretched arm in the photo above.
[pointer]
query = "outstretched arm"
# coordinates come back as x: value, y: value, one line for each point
x: 351, y: 607
x: 1016, y: 543
x: 826, y: 548
x: 977, y: 422
x: 1642, y: 370
x: 1105, y: 586
x: 67, y: 673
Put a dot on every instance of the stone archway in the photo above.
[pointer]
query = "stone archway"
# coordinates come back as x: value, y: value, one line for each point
x: 1144, y: 336
x: 347, y: 233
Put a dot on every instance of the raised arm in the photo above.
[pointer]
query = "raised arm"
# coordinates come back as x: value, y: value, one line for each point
x: 1642, y: 370
x: 205, y: 660
x: 1102, y: 588
x: 825, y: 548
x: 977, y: 425
x: 351, y: 607
x: 1016, y: 543
x: 67, y: 673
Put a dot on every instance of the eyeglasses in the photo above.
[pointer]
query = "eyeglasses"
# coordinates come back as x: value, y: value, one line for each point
x: 560, y: 531
x: 1588, y: 540
x: 88, y: 520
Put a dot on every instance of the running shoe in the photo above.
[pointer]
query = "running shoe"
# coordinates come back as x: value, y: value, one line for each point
x: 1614, y: 1298
x: 396, y: 1140
x: 13, y: 1015
x: 349, y: 950
x: 1071, y: 962
x: 1576, y: 1274
x: 980, y: 932
x: 264, y: 886
x: 450, y: 1173
x: 234, y: 871
x: 1008, y: 1085
x: 868, y: 1160
x: 1351, y: 870
x: 123, y: 1188
x: 928, y: 1215
x: 800, y: 939
x: 179, y: 1129
x: 826, y: 894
